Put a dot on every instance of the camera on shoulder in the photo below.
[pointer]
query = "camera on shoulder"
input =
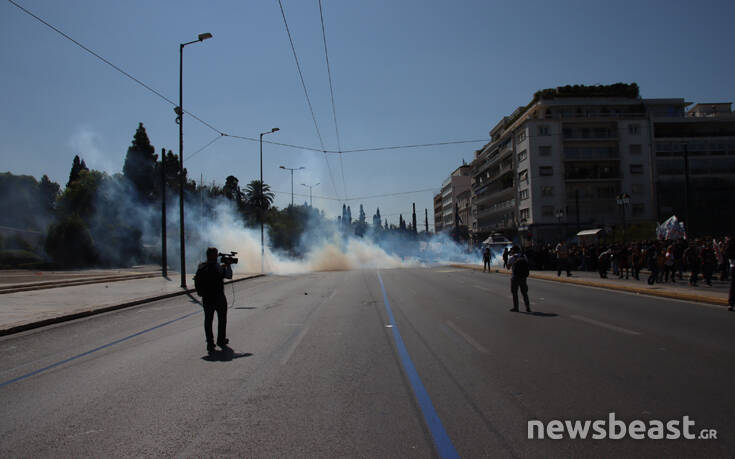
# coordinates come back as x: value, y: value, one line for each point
x: 228, y: 258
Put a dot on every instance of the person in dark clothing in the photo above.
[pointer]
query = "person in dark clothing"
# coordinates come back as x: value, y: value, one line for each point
x: 518, y: 264
x: 486, y: 259
x: 651, y: 259
x: 603, y: 263
x: 709, y: 260
x: 692, y: 259
x: 209, y: 282
x: 505, y: 258
x: 730, y: 256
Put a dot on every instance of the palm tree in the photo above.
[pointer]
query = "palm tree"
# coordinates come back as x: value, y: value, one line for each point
x: 259, y: 199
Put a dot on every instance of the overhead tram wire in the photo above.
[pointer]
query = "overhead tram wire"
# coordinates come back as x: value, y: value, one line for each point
x: 306, y: 94
x: 331, y: 95
x: 209, y: 125
x: 204, y: 147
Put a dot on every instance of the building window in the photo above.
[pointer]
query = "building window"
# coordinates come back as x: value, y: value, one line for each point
x: 547, y: 211
x: 636, y: 168
x: 525, y: 214
x: 523, y: 176
x: 635, y: 149
x: 546, y: 171
x: 522, y: 155
x: 634, y: 129
x: 521, y: 136
x: 523, y: 195
x: 543, y: 130
x: 544, y: 150
x: 637, y: 209
x: 637, y: 188
x: 547, y: 191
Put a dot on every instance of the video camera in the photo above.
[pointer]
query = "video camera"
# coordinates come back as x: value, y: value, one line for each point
x: 228, y: 258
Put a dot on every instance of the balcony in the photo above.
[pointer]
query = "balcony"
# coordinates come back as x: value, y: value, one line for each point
x: 591, y: 172
x: 590, y: 153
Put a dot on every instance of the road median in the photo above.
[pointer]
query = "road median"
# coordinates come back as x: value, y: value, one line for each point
x: 45, y: 318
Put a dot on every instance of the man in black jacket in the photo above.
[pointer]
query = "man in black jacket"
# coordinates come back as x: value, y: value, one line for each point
x: 518, y: 265
x: 209, y: 282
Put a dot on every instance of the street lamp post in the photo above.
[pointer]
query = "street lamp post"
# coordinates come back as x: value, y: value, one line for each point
x: 559, y: 215
x: 292, y: 169
x: 309, y: 187
x: 180, y: 120
x: 262, y: 245
x: 623, y: 200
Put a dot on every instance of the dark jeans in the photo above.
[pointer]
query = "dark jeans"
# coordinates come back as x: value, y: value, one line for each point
x: 486, y: 264
x: 209, y: 311
x: 707, y: 271
x: 563, y: 265
x: 654, y: 275
x: 519, y: 282
x: 694, y: 276
x: 669, y: 270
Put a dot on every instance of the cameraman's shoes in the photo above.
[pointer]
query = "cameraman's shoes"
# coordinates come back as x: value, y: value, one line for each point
x: 210, y: 347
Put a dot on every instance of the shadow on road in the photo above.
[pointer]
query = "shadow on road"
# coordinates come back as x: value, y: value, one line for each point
x: 540, y: 314
x: 194, y: 299
x: 227, y: 354
x: 244, y: 307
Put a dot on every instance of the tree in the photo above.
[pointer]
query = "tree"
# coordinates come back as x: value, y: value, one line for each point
x: 259, y: 198
x: 231, y: 190
x: 140, y: 165
x: 48, y: 192
x: 80, y: 197
x: 69, y: 243
x: 377, y: 220
x: 361, y: 227
x: 77, y: 166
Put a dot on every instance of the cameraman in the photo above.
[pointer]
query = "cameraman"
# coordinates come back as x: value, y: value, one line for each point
x: 209, y: 282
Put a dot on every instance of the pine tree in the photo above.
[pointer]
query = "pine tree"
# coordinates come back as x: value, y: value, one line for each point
x: 140, y: 164
x: 48, y: 192
x: 77, y: 166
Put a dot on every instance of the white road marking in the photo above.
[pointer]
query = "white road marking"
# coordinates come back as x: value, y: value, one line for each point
x: 605, y: 325
x: 483, y: 288
x: 467, y: 338
x: 295, y: 344
x: 389, y: 326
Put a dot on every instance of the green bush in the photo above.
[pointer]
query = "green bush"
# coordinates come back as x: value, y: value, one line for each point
x: 69, y: 243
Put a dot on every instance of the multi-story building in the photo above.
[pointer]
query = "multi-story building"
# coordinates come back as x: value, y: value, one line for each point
x: 558, y: 164
x: 458, y: 182
x: 438, y: 213
x: 701, y: 143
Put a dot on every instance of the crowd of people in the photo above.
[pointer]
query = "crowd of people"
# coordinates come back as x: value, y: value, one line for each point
x: 655, y: 261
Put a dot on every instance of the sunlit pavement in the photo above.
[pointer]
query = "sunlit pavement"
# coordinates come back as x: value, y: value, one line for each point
x: 320, y: 365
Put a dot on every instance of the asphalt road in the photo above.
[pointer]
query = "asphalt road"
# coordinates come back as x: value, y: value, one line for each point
x: 316, y: 370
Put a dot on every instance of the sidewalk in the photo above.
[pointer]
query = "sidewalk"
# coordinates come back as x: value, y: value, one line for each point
x: 717, y: 294
x: 25, y: 310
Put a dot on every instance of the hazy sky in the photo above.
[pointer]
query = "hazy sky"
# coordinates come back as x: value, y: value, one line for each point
x: 404, y: 72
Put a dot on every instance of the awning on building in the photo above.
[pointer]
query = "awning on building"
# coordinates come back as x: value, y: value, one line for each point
x: 591, y: 232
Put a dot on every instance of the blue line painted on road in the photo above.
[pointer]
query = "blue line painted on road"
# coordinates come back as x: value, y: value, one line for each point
x: 83, y: 354
x: 443, y: 443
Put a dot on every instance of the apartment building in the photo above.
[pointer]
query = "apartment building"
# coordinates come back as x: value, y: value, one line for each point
x: 558, y: 164
x: 701, y: 143
x: 438, y: 213
x: 459, y: 181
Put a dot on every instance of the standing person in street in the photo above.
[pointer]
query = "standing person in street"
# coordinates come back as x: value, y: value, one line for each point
x: 669, y: 265
x: 505, y: 258
x: 603, y: 263
x: 486, y: 259
x: 562, y: 259
x: 637, y: 259
x: 730, y: 255
x: 209, y: 283
x: 692, y: 259
x: 708, y: 262
x: 623, y: 267
x: 651, y: 259
x: 518, y: 264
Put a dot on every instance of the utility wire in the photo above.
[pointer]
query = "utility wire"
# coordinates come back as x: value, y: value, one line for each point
x: 398, y: 147
x: 214, y: 128
x: 331, y: 95
x: 219, y: 136
x: 308, y: 101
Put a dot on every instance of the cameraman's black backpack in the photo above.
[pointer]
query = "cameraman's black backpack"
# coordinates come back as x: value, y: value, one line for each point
x: 206, y: 280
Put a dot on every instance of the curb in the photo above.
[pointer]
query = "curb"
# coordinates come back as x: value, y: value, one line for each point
x: 92, y: 312
x: 73, y: 282
x: 622, y: 288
